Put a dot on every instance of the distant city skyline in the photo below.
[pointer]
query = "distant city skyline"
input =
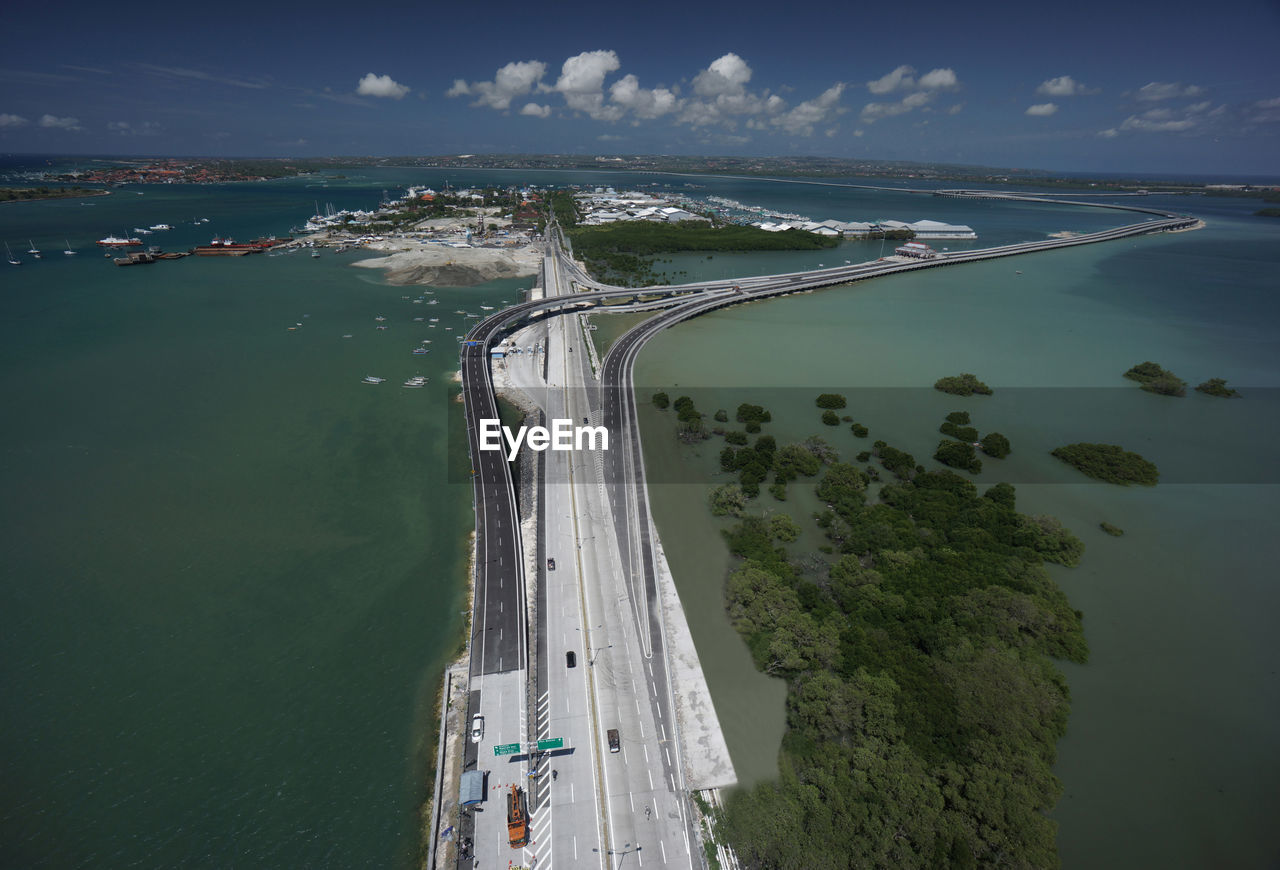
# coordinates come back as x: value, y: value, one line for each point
x: 1098, y: 87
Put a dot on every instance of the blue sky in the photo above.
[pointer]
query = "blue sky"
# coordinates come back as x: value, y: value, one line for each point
x: 1174, y: 87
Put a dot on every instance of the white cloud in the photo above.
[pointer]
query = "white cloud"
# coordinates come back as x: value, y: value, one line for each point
x: 7, y: 120
x: 1042, y: 110
x: 183, y: 73
x: 380, y: 86
x: 124, y: 128
x: 939, y: 79
x: 609, y: 137
x: 643, y: 103
x: 1264, y: 111
x: 922, y: 91
x: 956, y: 109
x: 514, y: 80
x: 802, y: 119
x: 728, y: 74
x: 59, y: 123
x: 902, y: 77
x: 722, y: 97
x: 1064, y: 86
x: 582, y: 84
x: 1109, y: 133
x: 533, y: 110
x: 1154, y: 91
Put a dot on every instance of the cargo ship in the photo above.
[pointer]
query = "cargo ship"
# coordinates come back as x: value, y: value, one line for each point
x: 220, y: 247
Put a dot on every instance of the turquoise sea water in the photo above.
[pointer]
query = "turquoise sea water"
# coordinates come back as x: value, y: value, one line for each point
x: 231, y: 572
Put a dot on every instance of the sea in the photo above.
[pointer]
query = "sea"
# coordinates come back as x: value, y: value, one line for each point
x: 232, y: 571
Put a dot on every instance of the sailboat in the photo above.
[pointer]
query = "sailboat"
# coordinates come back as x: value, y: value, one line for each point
x: 68, y: 251
x: 35, y: 252
x: 9, y: 254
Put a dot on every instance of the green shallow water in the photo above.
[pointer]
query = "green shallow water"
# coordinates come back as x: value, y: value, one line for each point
x: 1171, y: 756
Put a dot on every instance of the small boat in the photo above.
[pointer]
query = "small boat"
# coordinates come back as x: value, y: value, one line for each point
x: 34, y: 251
x: 1017, y: 271
x: 418, y: 351
x: 486, y: 307
x: 118, y: 242
x: 161, y: 227
x: 9, y: 253
x: 140, y: 231
x: 417, y: 320
x: 416, y: 381
x: 370, y: 379
x: 433, y: 301
x: 379, y: 318
x: 68, y: 251
x: 347, y: 336
x: 380, y: 327
x: 315, y: 255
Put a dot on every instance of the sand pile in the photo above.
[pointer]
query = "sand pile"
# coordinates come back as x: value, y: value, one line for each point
x: 456, y: 267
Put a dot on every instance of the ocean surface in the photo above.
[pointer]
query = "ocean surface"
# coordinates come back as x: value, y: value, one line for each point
x: 232, y: 572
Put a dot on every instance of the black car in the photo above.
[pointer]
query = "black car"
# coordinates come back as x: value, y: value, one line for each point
x: 615, y: 742
x: 571, y: 659
x: 551, y: 564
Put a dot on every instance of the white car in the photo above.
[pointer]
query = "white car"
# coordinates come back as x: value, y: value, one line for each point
x: 477, y: 729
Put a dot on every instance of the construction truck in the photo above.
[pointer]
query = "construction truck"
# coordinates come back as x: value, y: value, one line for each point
x: 517, y: 818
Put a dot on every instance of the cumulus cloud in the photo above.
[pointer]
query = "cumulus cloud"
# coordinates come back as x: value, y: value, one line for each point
x: 645, y: 103
x: 802, y: 119
x: 514, y: 80
x: 59, y: 123
x: 721, y: 96
x: 1154, y: 91
x: 1063, y: 86
x: 536, y: 111
x: 7, y: 120
x: 380, y: 86
x: 922, y: 91
x: 901, y: 78
x: 1042, y: 110
x: 582, y: 84
x: 938, y: 79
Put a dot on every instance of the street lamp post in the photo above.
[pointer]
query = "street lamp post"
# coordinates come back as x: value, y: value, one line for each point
x: 626, y: 850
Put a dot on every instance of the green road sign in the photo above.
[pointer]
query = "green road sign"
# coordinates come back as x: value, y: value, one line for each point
x: 506, y: 749
x: 553, y: 743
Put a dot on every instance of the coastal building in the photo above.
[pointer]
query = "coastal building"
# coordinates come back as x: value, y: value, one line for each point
x: 925, y: 229
x: 916, y: 250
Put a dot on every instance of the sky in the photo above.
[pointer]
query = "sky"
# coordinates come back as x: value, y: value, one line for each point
x: 1124, y: 86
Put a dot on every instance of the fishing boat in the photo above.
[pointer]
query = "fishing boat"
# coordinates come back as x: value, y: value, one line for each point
x: 9, y: 254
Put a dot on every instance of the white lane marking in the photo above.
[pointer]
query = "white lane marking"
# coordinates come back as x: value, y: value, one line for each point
x: 575, y: 848
x: 649, y: 772
x: 632, y: 800
x: 667, y: 754
x: 663, y: 847
x: 646, y: 754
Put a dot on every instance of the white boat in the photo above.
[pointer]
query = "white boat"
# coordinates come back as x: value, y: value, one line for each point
x: 416, y: 381
x: 370, y: 379
x: 486, y: 307
x: 379, y: 318
x: 9, y: 253
x: 68, y: 251
x: 161, y: 227
x: 315, y: 255
x: 140, y: 231
x: 433, y: 302
x: 117, y: 242
x: 418, y: 351
x: 347, y: 336
x: 34, y: 251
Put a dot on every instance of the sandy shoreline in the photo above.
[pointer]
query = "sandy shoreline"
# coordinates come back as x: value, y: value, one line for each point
x: 410, y: 262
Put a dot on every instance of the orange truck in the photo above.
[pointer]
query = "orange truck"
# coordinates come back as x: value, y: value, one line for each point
x: 517, y: 819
